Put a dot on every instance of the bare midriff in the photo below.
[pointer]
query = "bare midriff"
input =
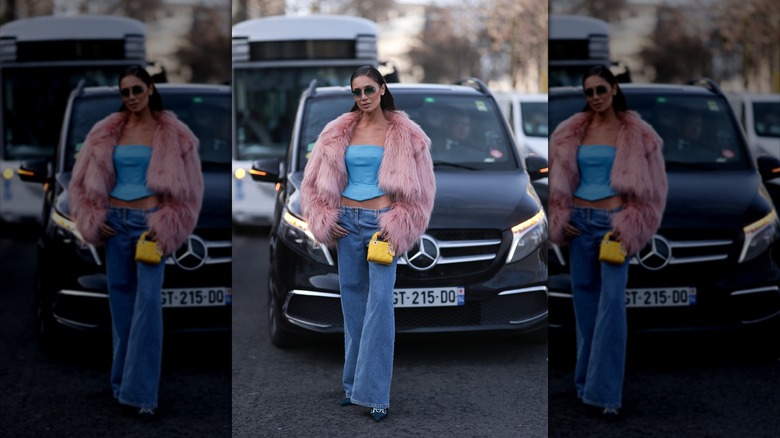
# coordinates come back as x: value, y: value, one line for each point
x: 146, y: 203
x: 610, y: 203
x: 377, y: 203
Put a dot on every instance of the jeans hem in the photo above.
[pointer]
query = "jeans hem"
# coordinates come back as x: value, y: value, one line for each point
x: 600, y: 404
x: 136, y: 404
x: 370, y: 405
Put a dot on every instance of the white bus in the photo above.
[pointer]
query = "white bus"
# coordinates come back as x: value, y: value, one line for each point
x: 576, y: 43
x: 274, y: 60
x: 41, y: 60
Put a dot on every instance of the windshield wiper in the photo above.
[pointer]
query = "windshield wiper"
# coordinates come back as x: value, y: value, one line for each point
x: 448, y: 164
x: 686, y: 165
x: 215, y: 163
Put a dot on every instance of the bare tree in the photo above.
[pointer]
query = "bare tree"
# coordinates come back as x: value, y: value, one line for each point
x: 516, y: 37
x: 443, y: 52
x: 677, y: 49
x: 14, y: 9
x: 247, y: 9
x: 608, y: 10
x: 375, y: 10
x: 207, y: 52
x: 751, y: 28
x: 143, y: 10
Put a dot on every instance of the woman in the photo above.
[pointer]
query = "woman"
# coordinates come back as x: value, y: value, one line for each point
x: 606, y: 174
x: 370, y: 171
x: 138, y: 170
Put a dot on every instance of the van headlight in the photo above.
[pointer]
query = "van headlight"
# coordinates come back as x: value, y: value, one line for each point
x: 295, y: 231
x: 527, y: 236
x: 759, y: 236
x: 65, y: 228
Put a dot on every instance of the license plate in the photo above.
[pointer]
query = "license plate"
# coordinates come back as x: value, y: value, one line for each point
x: 662, y: 297
x: 195, y: 297
x: 430, y: 297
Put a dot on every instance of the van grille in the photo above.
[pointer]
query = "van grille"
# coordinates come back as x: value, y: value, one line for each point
x: 460, y: 252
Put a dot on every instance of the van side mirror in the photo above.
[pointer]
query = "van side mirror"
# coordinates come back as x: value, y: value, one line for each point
x: 768, y: 167
x: 266, y: 170
x: 35, y: 171
x: 536, y: 166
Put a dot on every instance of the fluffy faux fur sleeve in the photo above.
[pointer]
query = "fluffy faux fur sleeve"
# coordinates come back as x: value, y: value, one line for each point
x: 93, y: 177
x: 175, y: 175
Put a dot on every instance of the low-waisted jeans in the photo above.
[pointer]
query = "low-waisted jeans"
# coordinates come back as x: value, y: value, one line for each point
x: 367, y: 305
x: 599, y: 295
x: 135, y: 298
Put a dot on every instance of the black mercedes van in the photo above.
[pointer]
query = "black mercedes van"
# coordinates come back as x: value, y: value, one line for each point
x: 711, y: 263
x: 480, y: 265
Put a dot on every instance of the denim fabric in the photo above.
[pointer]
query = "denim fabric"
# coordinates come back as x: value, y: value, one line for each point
x: 367, y: 305
x: 135, y: 298
x: 598, y: 290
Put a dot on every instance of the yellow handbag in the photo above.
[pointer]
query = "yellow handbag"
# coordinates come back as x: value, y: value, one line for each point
x: 380, y: 251
x: 612, y: 251
x: 148, y: 251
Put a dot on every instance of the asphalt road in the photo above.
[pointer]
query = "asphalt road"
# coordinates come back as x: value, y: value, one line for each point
x: 65, y: 392
x: 453, y: 385
x: 680, y: 385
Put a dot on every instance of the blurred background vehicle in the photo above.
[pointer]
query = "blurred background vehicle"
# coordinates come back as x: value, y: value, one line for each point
x: 70, y: 283
x: 41, y: 61
x: 759, y: 115
x: 274, y: 60
x: 481, y: 264
x: 527, y: 116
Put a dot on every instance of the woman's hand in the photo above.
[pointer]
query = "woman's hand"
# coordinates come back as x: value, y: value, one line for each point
x: 337, y: 232
x: 106, y: 231
x: 570, y: 231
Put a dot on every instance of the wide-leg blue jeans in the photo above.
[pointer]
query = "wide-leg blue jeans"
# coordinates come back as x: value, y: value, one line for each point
x: 135, y: 298
x: 599, y: 295
x: 367, y: 305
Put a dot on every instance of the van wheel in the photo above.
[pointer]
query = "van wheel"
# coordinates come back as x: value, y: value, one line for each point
x: 280, y: 337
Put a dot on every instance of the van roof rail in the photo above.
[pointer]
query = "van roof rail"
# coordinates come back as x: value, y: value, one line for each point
x: 312, y: 87
x: 79, y: 90
x: 476, y: 84
x: 706, y: 83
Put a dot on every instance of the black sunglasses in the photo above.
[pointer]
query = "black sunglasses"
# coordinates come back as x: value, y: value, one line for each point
x: 369, y: 91
x: 600, y: 90
x: 135, y: 89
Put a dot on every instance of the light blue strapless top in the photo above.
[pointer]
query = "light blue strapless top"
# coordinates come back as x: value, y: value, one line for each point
x: 595, y: 164
x: 130, y: 164
x: 363, y: 172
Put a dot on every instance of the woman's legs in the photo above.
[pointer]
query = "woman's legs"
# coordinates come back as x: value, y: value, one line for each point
x: 598, y: 291
x: 136, y: 312
x: 367, y: 304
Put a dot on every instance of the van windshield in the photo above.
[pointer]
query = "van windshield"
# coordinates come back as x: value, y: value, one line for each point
x: 698, y: 131
x: 767, y: 118
x: 206, y: 114
x: 466, y: 132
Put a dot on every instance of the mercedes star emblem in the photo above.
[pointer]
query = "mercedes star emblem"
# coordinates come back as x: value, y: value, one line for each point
x: 656, y: 255
x: 192, y: 255
x: 424, y: 254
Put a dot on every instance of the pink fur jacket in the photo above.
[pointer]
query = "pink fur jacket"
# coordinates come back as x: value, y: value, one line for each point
x: 174, y: 174
x: 638, y: 173
x: 406, y: 173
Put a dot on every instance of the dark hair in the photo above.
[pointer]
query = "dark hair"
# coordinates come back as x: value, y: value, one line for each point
x: 387, y: 102
x: 619, y: 101
x: 155, y: 101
